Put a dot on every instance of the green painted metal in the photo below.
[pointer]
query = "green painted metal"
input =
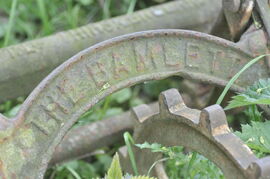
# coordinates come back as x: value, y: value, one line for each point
x: 28, y: 141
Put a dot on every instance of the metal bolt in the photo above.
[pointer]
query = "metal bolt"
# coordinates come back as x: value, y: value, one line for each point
x: 232, y: 5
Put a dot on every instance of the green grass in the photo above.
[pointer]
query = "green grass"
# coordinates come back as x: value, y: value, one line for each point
x: 22, y: 20
x: 47, y: 27
x: 10, y: 23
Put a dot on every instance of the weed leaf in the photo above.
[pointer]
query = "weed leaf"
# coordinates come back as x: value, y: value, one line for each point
x: 258, y: 93
x: 236, y: 76
x: 155, y: 147
x: 115, y: 171
x: 256, y: 136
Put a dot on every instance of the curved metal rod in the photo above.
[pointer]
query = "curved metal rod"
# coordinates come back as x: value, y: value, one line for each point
x: 79, y: 83
x: 23, y: 66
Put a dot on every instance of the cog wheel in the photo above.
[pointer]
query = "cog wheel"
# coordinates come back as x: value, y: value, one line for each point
x: 205, y: 132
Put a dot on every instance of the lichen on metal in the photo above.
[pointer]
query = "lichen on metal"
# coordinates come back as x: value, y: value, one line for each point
x: 29, y: 140
x: 205, y: 131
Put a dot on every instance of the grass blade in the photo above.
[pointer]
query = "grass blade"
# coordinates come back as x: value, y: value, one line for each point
x: 128, y: 140
x: 191, y: 162
x: 10, y: 22
x: 131, y: 6
x: 154, y: 164
x: 236, y: 76
x: 106, y: 9
x: 74, y: 173
x: 44, y: 17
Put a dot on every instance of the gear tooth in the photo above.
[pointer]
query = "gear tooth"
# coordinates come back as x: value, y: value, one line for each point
x: 141, y: 113
x: 213, y: 119
x: 260, y: 168
x: 171, y: 101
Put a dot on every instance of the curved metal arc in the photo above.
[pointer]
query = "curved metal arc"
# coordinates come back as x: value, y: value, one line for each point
x: 96, y: 72
x: 19, y: 73
x: 130, y: 37
x: 78, y: 58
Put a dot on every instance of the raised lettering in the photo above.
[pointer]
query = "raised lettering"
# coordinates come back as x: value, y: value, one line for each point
x: 156, y: 53
x: 74, y: 34
x: 53, y: 110
x: 98, y: 73
x: 140, y: 53
x: 214, y: 61
x: 97, y: 28
x: 235, y: 62
x: 192, y: 55
x: 119, y: 65
x: 40, y: 127
x: 71, y: 89
x: 83, y: 32
x: 171, y: 56
x: 110, y: 27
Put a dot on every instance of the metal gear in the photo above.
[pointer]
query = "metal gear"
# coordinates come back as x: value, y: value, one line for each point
x: 205, y: 132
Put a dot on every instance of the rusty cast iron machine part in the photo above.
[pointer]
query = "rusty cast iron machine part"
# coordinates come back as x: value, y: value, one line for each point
x: 23, y: 66
x: 205, y: 131
x: 239, y: 12
x: 29, y: 140
x: 253, y: 41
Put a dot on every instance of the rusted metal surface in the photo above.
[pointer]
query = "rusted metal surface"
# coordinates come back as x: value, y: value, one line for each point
x: 232, y: 5
x: 205, y: 131
x: 264, y: 10
x: 255, y: 41
x: 29, y: 140
x: 263, y: 7
x: 238, y: 20
x: 23, y: 66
